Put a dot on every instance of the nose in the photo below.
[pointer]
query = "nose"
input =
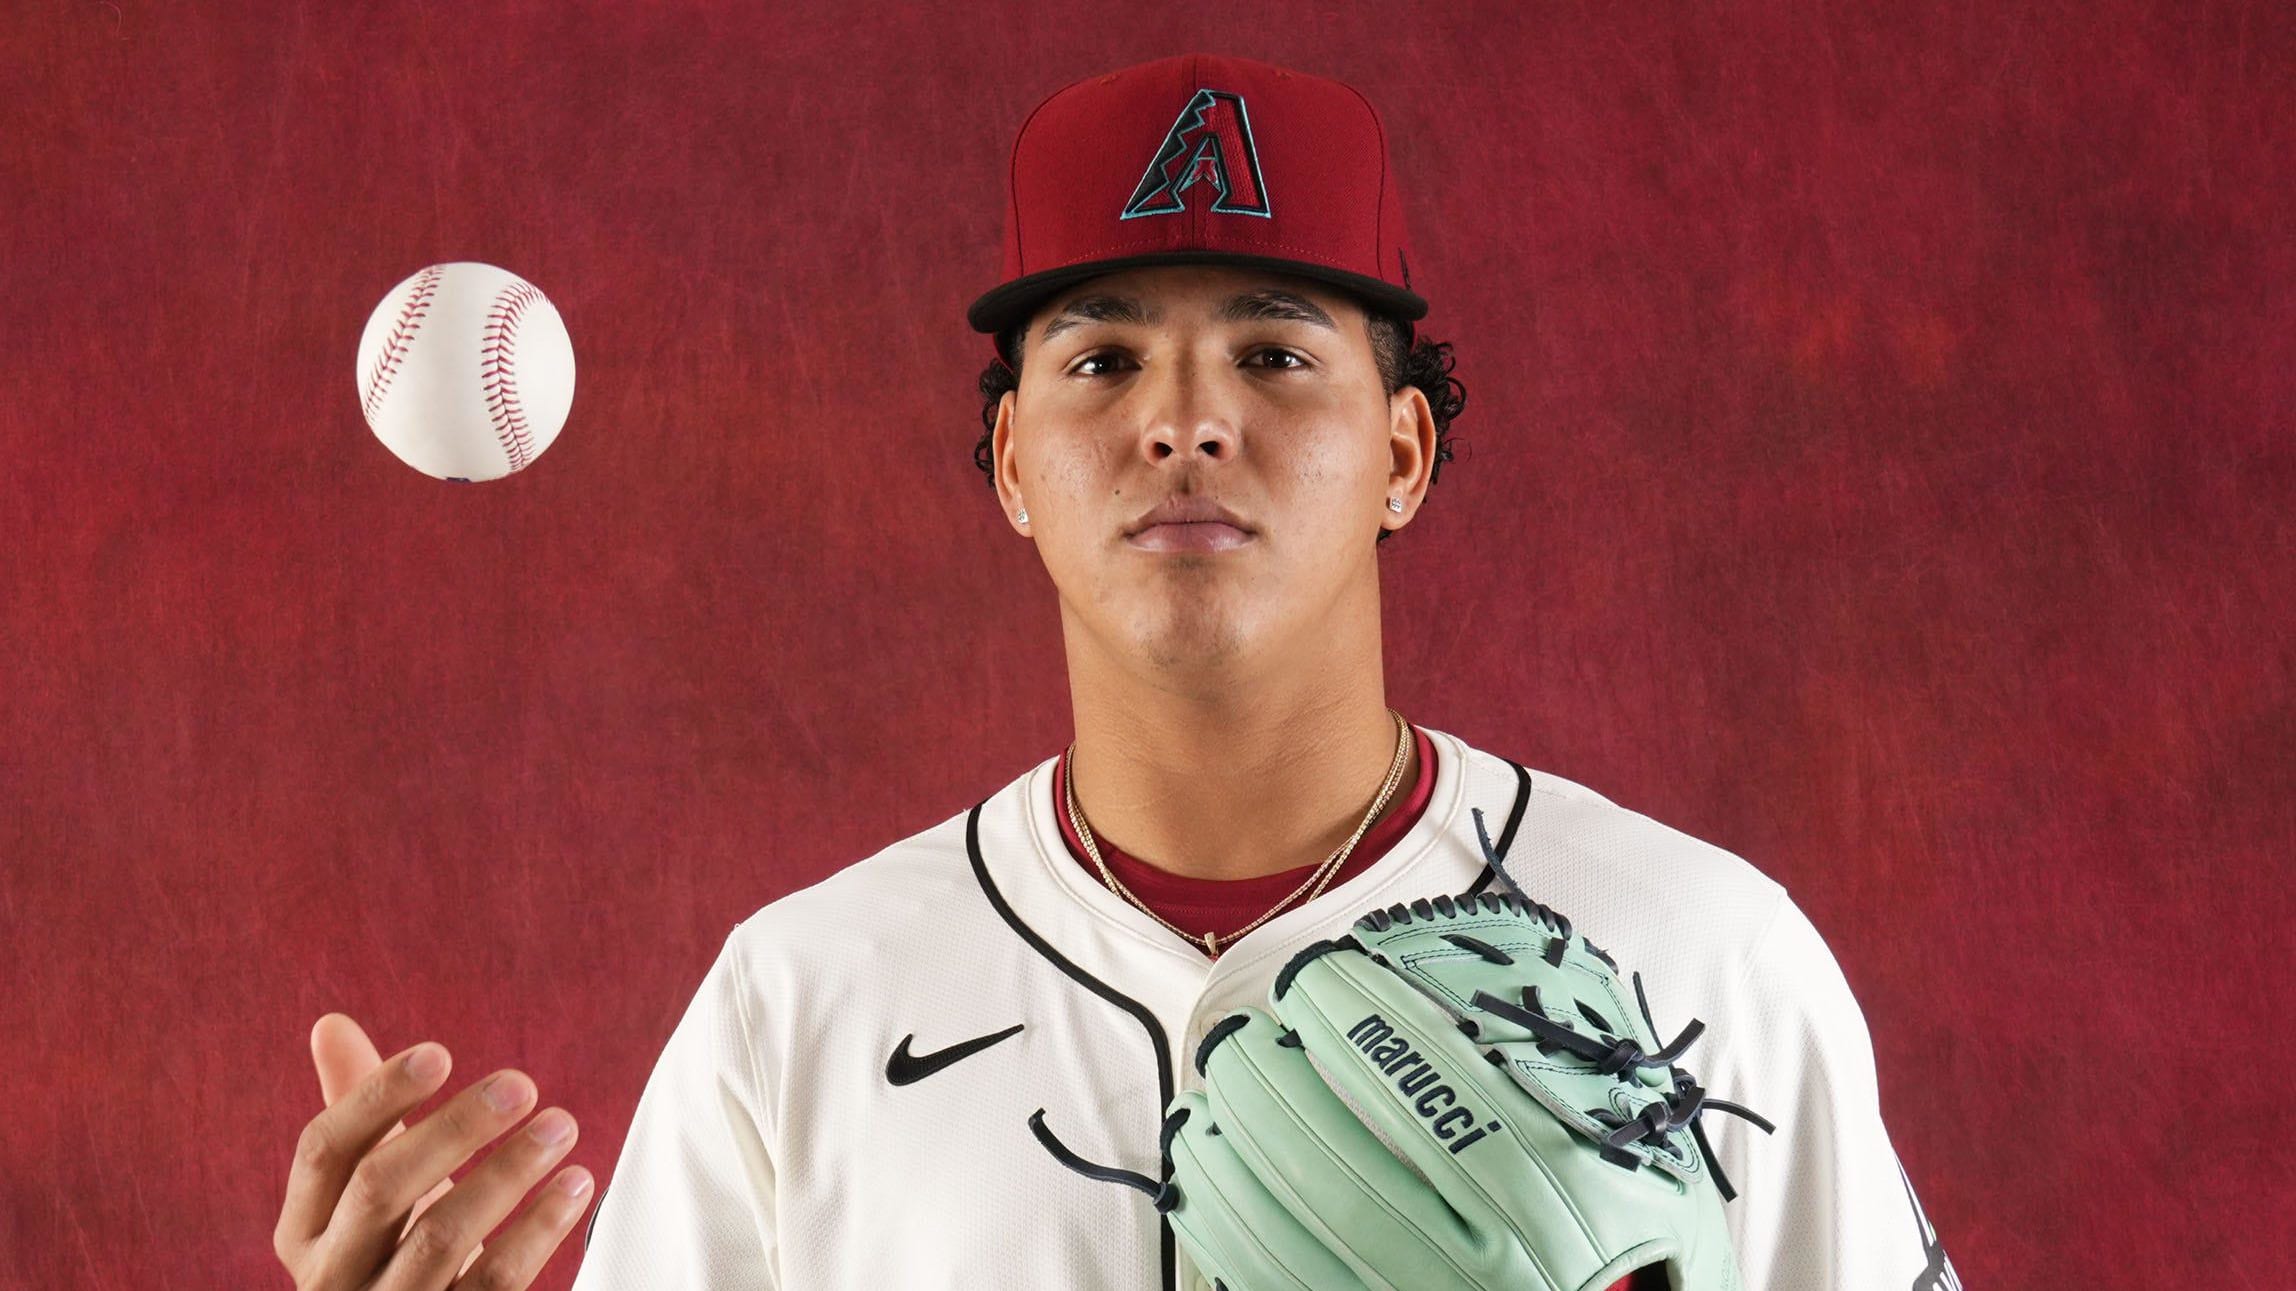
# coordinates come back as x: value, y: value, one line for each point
x: 1187, y: 412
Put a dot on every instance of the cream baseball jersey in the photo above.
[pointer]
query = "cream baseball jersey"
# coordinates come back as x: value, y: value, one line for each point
x: 847, y: 1101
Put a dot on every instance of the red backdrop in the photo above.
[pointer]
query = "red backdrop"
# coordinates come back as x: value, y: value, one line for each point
x: 1877, y: 462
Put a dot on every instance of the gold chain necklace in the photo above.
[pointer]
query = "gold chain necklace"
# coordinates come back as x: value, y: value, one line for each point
x: 1323, y: 873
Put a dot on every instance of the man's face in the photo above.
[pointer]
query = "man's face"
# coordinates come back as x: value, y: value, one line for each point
x: 1255, y: 391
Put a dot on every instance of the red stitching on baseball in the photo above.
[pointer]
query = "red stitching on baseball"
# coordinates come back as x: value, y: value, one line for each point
x: 402, y: 334
x: 498, y: 367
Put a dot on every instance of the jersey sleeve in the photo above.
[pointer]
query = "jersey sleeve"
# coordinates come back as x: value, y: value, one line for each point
x: 690, y: 1204
x: 1822, y: 1203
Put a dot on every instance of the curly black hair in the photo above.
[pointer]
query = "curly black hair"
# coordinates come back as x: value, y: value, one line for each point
x: 1423, y: 363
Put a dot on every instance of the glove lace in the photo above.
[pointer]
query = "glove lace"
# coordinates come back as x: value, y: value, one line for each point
x: 1164, y: 1192
x: 1620, y: 1057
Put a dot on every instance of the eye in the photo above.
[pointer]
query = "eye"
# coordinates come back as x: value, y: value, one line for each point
x: 1293, y: 361
x: 1103, y: 356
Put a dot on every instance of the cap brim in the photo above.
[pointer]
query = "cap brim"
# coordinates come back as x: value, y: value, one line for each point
x: 1015, y: 301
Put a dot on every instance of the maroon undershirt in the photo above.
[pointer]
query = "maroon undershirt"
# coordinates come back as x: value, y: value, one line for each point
x: 1197, y: 906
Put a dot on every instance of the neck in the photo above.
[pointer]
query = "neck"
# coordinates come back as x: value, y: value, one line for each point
x: 1234, y: 776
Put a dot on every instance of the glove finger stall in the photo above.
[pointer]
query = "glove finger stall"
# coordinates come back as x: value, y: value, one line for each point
x: 1402, y: 1060
x: 1234, y: 1228
x: 1325, y: 1165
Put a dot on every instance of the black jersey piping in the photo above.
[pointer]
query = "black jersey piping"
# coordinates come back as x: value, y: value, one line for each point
x: 1507, y: 835
x: 1102, y: 989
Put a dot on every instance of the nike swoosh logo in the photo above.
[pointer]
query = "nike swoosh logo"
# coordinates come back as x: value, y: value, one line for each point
x: 905, y: 1068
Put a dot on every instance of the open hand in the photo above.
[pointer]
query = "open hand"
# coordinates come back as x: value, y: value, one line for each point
x: 371, y: 1203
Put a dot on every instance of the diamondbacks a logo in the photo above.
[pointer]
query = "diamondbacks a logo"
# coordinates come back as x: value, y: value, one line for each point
x: 1210, y: 143
x: 1435, y: 1101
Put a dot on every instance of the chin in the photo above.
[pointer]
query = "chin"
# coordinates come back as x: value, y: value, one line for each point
x: 1192, y: 633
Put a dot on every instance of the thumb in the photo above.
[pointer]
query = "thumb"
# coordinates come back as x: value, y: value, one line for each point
x: 343, y: 1054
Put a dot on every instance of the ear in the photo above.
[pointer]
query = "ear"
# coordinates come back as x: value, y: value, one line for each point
x: 1005, y: 458
x: 1411, y: 443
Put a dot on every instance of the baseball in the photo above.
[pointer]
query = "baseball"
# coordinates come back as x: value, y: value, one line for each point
x: 466, y: 372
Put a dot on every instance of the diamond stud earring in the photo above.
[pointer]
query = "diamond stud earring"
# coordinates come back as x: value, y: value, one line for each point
x: 1395, y: 505
x: 1022, y: 516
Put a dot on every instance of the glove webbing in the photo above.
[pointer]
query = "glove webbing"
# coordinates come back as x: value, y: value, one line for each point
x: 1656, y: 1120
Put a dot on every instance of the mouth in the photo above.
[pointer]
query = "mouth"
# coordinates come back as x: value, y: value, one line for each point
x: 1190, y: 535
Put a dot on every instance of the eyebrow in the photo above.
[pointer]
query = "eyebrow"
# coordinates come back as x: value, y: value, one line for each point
x: 1271, y: 304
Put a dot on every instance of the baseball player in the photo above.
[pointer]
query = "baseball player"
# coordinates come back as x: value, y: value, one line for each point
x: 941, y: 1066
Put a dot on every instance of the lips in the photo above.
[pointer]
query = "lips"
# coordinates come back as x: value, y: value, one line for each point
x: 1185, y: 508
x: 1189, y: 522
x: 1191, y: 535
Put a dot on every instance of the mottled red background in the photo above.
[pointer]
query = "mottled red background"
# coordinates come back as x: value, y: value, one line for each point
x: 1877, y: 462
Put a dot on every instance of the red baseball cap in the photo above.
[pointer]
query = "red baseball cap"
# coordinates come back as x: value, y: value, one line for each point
x: 1200, y: 159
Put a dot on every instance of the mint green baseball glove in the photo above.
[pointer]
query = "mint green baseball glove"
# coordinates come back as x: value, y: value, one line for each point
x: 1458, y: 1094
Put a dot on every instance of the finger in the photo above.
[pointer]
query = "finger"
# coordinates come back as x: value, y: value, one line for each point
x: 1314, y: 1153
x: 343, y: 1054
x: 437, y: 1245
x: 519, y: 1251
x: 365, y: 1225
x: 335, y: 1141
x: 1235, y: 1230
x: 1404, y: 1064
x: 426, y: 1201
x: 447, y: 1241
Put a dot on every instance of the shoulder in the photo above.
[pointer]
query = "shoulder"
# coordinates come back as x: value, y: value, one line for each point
x: 914, y: 907
x: 1613, y: 868
x: 1712, y: 935
x: 853, y: 914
